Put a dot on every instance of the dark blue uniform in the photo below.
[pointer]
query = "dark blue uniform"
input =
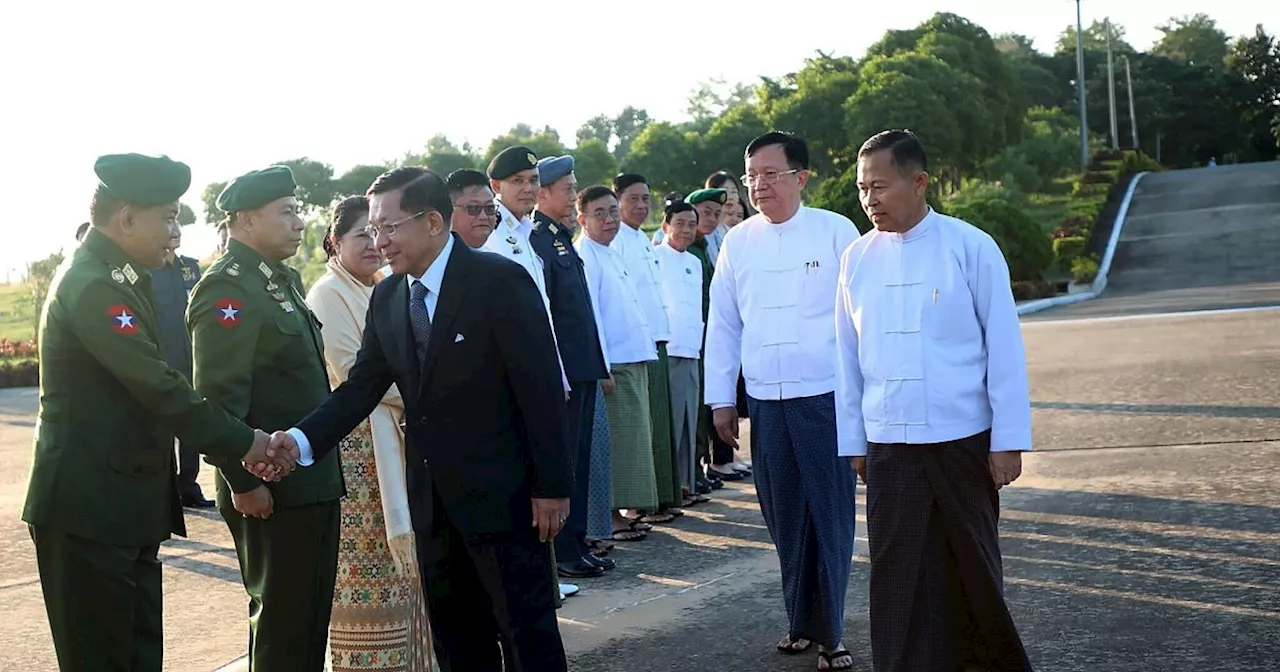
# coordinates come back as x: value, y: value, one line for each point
x: 171, y: 284
x: 583, y: 359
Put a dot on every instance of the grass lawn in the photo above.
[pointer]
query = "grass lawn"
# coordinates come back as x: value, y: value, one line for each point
x: 16, y: 322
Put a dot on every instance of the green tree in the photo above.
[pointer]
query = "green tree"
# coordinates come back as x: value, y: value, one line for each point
x: 185, y: 215
x: 544, y: 143
x: 1095, y: 40
x: 1254, y: 64
x: 442, y: 157
x: 356, y: 181
x: 314, y: 180
x: 599, y: 127
x: 668, y: 158
x: 209, y: 201
x: 1034, y: 70
x: 1195, y: 40
x: 723, y: 146
x: 921, y: 93
x: 627, y: 126
x: 39, y: 277
x: 810, y: 102
x: 593, y: 163
x: 1049, y: 149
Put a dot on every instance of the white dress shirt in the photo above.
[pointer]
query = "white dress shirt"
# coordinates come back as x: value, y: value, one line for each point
x: 772, y: 312
x: 625, y: 335
x: 637, y: 251
x: 681, y: 276
x: 510, y: 238
x: 929, y: 347
x: 432, y: 278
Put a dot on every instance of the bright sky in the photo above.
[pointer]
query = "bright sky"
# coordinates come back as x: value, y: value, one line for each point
x: 234, y: 85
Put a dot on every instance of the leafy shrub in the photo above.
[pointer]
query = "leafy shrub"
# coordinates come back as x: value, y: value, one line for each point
x: 1072, y: 226
x: 24, y: 373
x: 1067, y: 249
x: 1084, y: 269
x: 1026, y: 249
x: 1137, y: 162
x: 1108, y: 155
x: 1030, y: 290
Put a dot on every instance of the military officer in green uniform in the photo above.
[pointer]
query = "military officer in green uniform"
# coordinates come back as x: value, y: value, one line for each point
x: 103, y: 490
x: 708, y: 203
x: 258, y: 353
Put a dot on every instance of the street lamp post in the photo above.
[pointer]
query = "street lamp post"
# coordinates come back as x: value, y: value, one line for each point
x: 1084, y: 125
x: 1111, y: 89
x: 1133, y: 115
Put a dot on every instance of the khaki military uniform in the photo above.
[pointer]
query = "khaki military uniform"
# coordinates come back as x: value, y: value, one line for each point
x: 103, y: 492
x: 258, y: 353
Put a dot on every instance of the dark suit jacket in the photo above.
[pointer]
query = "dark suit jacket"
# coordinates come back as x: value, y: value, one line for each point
x: 484, y: 415
x: 571, y: 308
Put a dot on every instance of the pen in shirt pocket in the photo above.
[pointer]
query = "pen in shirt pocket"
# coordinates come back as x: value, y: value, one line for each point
x: 935, y: 296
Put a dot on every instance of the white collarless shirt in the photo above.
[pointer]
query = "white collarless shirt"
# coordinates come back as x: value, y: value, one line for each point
x: 637, y: 251
x: 681, y: 276
x: 772, y: 312
x: 510, y: 238
x: 929, y: 347
x: 621, y: 316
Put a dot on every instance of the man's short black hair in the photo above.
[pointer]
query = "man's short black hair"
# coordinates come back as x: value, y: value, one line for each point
x: 465, y: 178
x: 905, y: 151
x: 422, y: 190
x: 674, y: 208
x: 591, y: 194
x: 795, y: 149
x: 104, y: 206
x: 623, y: 181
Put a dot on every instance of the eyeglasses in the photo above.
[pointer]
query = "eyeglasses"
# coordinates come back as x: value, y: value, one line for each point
x: 391, y: 227
x: 474, y: 209
x: 767, y: 177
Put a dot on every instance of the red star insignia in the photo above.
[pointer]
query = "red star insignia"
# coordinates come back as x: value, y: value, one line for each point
x: 227, y: 312
x: 123, y: 319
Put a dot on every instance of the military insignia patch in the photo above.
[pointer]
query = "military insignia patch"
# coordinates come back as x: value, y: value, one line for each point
x: 287, y: 306
x: 228, y: 312
x: 552, y: 228
x: 265, y: 269
x: 117, y: 275
x: 533, y: 160
x: 123, y: 319
x: 187, y: 274
x: 131, y: 274
x: 233, y: 270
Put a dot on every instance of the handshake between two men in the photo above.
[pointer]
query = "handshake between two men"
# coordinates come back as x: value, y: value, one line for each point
x: 273, y: 457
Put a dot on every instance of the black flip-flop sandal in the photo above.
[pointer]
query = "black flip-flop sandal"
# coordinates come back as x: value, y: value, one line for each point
x: 832, y: 655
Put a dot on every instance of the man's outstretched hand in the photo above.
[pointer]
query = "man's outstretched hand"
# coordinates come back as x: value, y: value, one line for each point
x: 272, y: 457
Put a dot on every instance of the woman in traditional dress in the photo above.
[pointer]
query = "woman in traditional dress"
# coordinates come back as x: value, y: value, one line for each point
x: 379, y: 615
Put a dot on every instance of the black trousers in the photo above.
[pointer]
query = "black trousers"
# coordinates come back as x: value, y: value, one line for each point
x: 485, y: 592
x: 188, y: 470
x: 104, y: 602
x: 571, y: 543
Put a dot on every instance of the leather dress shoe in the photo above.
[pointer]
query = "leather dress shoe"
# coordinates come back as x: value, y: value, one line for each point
x: 603, y: 563
x: 579, y: 569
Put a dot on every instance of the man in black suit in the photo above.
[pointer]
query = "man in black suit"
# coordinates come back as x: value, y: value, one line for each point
x: 578, y: 337
x: 465, y: 337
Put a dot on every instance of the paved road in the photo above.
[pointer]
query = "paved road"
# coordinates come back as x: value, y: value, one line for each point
x: 1194, y: 240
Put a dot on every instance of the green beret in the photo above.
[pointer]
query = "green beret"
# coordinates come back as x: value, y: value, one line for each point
x: 257, y: 188
x: 717, y: 195
x: 512, y: 160
x: 143, y: 180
